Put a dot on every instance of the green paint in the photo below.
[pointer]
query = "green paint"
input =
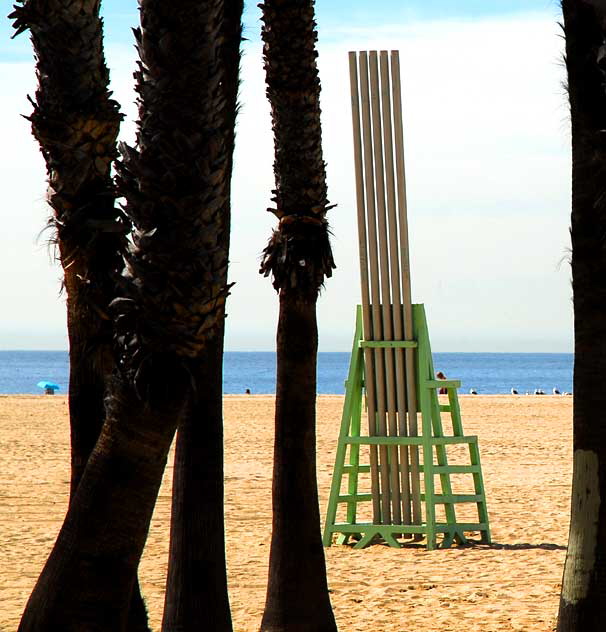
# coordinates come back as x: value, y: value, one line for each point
x: 430, y: 441
x: 582, y: 540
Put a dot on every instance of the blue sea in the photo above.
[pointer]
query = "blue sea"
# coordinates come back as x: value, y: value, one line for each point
x: 487, y: 373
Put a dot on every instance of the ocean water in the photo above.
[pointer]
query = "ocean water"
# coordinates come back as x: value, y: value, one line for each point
x: 487, y: 373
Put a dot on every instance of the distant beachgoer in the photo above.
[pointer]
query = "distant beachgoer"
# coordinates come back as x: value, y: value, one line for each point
x: 472, y: 391
x: 247, y: 391
x: 513, y: 391
x: 49, y: 390
x: 539, y: 391
x: 442, y: 390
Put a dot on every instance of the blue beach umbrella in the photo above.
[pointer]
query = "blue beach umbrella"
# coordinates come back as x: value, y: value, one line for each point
x: 47, y: 385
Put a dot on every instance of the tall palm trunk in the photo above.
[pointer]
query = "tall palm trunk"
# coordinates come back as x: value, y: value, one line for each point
x: 299, y: 258
x: 77, y: 123
x: 196, y: 588
x: 170, y: 306
x: 583, y: 597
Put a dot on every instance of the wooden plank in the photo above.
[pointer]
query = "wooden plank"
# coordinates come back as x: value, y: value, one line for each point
x: 396, y: 307
x: 389, y: 344
x: 411, y: 394
x: 385, y: 284
x: 376, y: 332
x: 447, y: 499
x: 442, y: 384
x: 371, y: 398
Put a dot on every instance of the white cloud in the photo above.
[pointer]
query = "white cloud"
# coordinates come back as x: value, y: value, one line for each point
x: 486, y: 127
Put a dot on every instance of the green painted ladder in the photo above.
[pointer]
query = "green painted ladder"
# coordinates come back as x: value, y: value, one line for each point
x: 432, y: 442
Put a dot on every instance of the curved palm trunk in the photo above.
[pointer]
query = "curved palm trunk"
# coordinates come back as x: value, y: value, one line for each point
x: 88, y: 579
x: 196, y: 587
x: 169, y: 307
x: 583, y: 597
x: 298, y: 257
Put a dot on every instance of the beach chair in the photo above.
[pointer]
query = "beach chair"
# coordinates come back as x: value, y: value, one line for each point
x: 391, y: 371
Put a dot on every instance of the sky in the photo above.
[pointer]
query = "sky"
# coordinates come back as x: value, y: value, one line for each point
x: 487, y: 145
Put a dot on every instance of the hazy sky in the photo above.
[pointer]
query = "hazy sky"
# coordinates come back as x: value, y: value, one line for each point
x: 487, y: 156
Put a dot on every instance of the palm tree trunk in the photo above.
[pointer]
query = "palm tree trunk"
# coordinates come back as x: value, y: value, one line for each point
x: 170, y: 305
x: 583, y: 597
x: 77, y: 123
x: 196, y: 588
x: 299, y: 258
x: 297, y: 594
x: 87, y: 581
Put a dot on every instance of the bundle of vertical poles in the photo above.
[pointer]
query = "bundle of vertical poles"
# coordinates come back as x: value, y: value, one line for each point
x: 385, y: 281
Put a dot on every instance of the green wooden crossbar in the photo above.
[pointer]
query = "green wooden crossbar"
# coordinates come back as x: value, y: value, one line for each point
x: 433, y: 468
x: 387, y: 344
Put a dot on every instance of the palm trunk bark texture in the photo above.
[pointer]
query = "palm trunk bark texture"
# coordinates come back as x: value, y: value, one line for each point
x: 583, y: 597
x: 299, y: 258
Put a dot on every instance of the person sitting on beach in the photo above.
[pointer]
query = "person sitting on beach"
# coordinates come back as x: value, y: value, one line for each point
x: 442, y: 390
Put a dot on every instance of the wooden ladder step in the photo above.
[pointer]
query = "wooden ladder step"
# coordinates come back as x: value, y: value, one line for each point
x: 449, y: 499
x: 470, y: 439
x: 442, y: 383
x: 441, y: 527
x: 351, y: 498
x: 409, y: 440
x: 456, y: 469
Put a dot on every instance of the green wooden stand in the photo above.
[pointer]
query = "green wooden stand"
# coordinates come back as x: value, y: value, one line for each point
x: 431, y: 443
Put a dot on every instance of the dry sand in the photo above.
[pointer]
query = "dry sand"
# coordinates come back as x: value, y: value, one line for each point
x: 514, y: 584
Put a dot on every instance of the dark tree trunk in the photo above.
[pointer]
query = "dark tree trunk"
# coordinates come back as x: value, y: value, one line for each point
x: 583, y: 598
x: 169, y: 307
x: 77, y: 123
x: 297, y: 594
x: 196, y: 589
x: 298, y: 257
x: 88, y: 579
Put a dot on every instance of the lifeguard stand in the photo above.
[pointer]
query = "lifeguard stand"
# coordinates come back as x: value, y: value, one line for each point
x: 413, y: 491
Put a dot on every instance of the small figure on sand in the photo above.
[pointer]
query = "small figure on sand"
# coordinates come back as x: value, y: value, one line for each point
x: 247, y: 391
x: 442, y: 390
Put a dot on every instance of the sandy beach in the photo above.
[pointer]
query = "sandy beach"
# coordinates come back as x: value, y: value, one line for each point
x: 514, y: 584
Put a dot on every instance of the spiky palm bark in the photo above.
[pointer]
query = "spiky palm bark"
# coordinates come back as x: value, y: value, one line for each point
x: 196, y: 588
x: 298, y: 257
x: 170, y: 305
x: 76, y: 123
x: 583, y: 598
